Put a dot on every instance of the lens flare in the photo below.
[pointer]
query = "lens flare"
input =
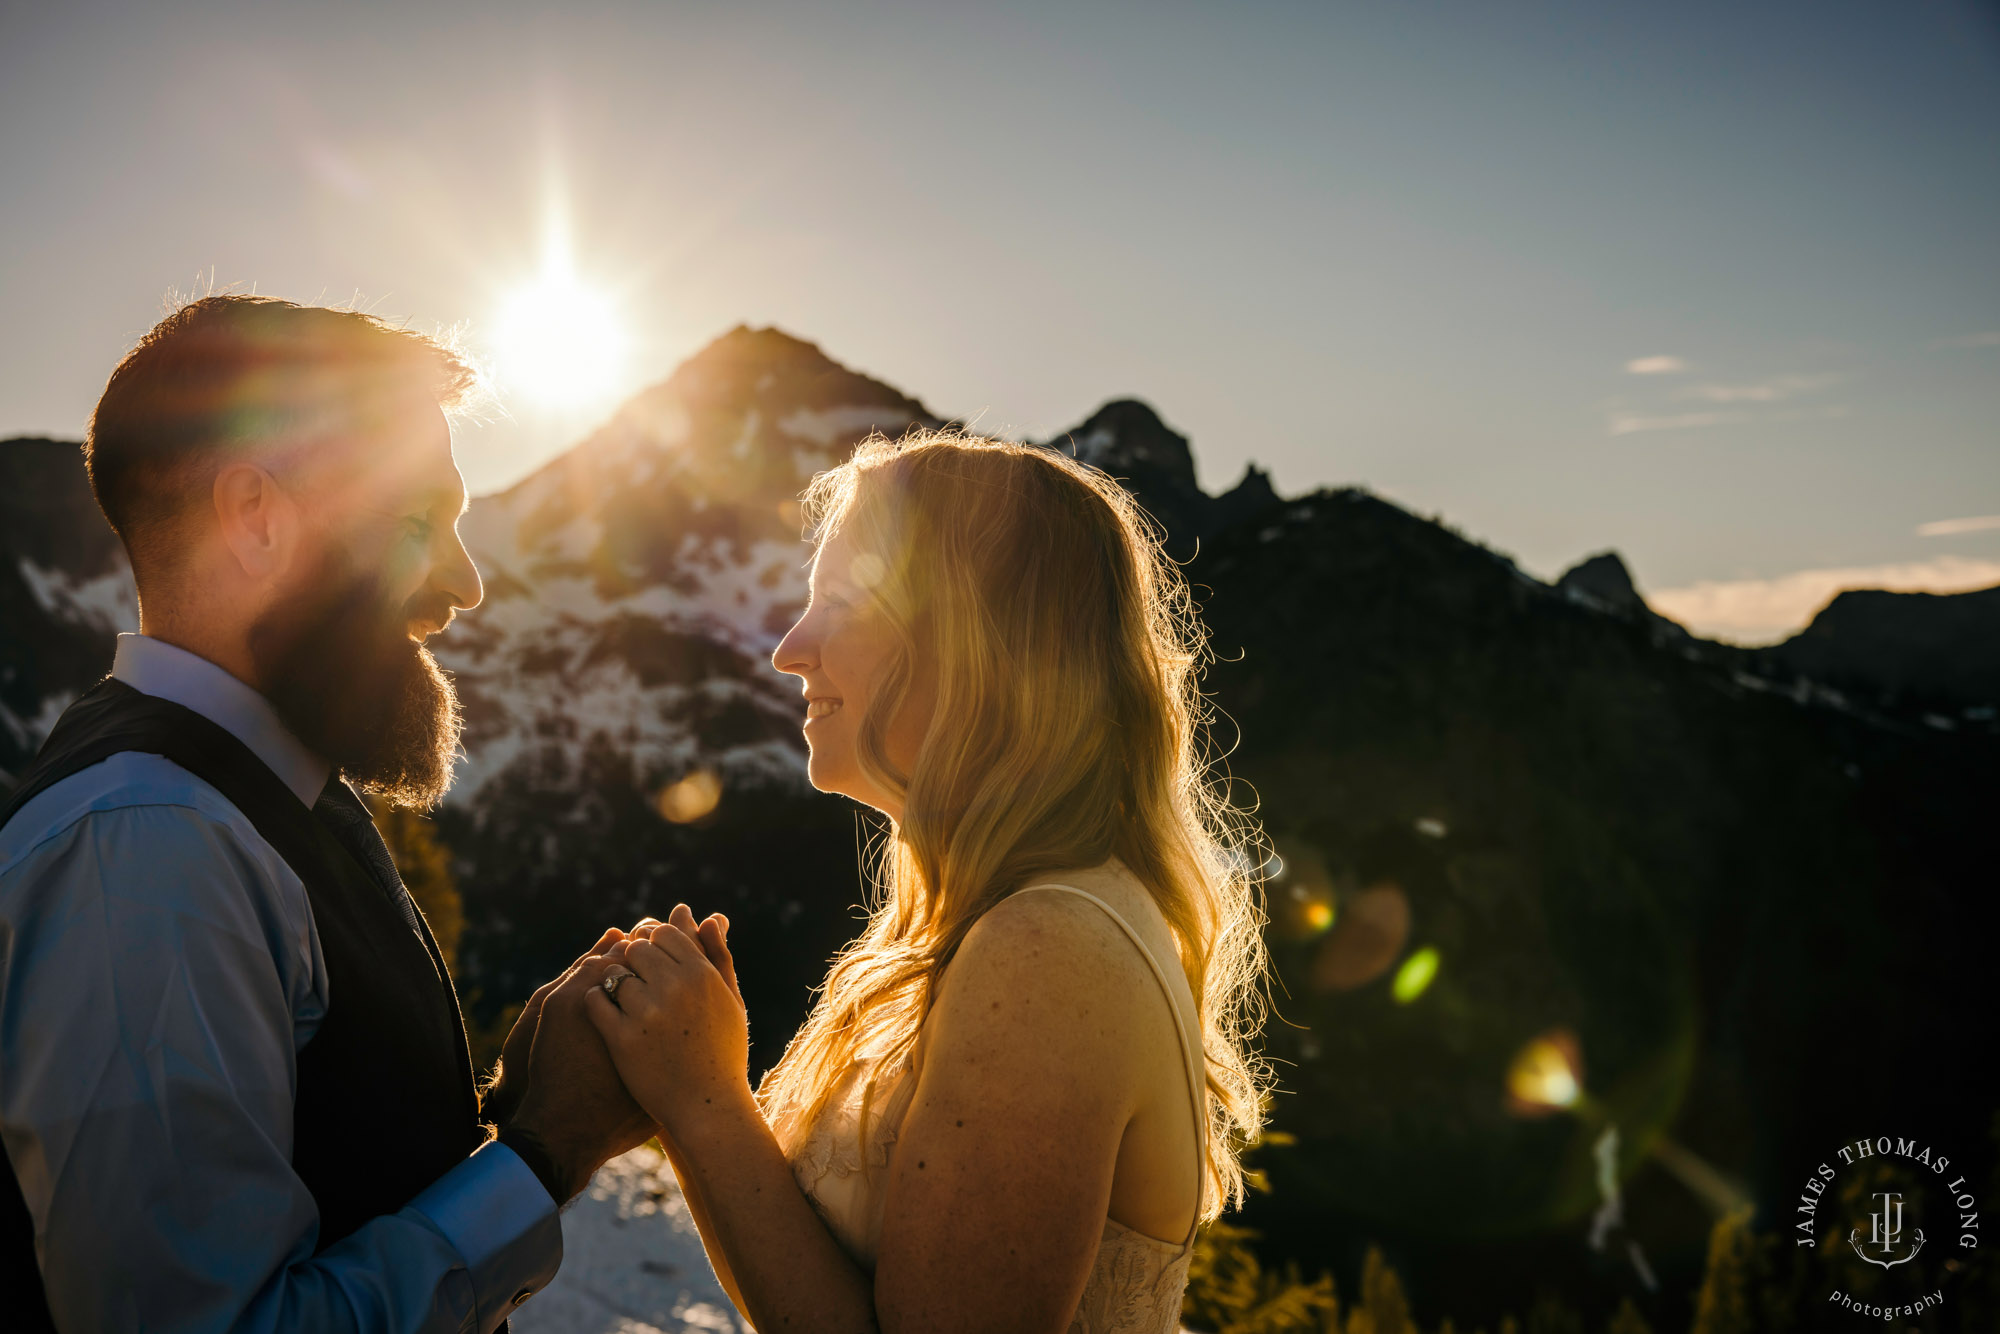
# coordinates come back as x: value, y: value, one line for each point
x: 691, y: 798
x: 1546, y: 1075
x: 1414, y: 977
x: 1303, y: 896
x: 1367, y: 938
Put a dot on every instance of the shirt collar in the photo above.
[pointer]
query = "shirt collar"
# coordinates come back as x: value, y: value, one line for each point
x: 155, y: 667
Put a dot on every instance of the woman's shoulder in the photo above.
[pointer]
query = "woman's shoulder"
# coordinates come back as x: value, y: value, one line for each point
x: 1049, y: 936
x: 1016, y: 996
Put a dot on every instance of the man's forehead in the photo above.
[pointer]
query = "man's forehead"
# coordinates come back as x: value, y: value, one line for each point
x: 408, y: 449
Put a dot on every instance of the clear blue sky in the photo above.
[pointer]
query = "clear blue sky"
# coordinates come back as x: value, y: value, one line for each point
x: 1414, y: 246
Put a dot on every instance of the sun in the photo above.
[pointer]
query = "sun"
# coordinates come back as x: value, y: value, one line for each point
x: 560, y: 342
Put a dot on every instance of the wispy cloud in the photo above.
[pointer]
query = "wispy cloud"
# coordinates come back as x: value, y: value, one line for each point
x: 1625, y: 423
x: 1764, y: 611
x: 1775, y: 390
x: 1655, y: 365
x: 1952, y: 527
x: 1991, y: 338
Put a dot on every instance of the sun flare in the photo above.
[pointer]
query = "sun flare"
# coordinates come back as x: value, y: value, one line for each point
x: 559, y: 342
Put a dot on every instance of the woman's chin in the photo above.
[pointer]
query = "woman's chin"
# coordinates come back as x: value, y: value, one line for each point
x: 845, y: 782
x: 828, y: 776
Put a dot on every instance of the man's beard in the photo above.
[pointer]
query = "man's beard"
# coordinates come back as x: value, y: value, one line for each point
x: 340, y: 668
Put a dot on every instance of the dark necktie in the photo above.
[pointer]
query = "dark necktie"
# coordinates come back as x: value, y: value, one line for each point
x: 348, y: 818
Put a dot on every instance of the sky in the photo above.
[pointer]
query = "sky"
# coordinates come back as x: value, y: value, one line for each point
x: 1713, y: 285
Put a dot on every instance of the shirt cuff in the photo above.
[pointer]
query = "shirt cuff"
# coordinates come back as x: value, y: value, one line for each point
x: 498, y: 1216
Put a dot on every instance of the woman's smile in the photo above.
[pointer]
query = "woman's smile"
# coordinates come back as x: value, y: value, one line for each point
x: 821, y: 706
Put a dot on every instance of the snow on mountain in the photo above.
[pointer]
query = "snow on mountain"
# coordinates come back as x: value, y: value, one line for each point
x: 65, y: 590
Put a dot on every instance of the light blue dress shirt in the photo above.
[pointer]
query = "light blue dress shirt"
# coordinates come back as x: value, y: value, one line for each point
x: 159, y: 973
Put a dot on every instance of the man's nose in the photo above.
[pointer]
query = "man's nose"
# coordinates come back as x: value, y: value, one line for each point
x: 458, y: 578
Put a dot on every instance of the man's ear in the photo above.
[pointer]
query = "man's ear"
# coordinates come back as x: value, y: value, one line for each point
x: 259, y: 521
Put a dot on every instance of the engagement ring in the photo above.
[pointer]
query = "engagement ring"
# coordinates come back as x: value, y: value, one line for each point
x: 613, y: 981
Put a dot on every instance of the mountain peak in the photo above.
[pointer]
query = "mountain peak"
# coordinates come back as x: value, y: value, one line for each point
x: 755, y: 412
x: 1603, y: 582
x: 1127, y: 439
x: 1602, y: 578
x: 747, y: 363
x: 1127, y: 435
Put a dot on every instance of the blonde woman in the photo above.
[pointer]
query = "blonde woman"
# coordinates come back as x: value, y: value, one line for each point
x: 1023, y: 1087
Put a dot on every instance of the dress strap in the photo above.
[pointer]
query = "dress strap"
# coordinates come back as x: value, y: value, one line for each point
x: 1190, y: 1054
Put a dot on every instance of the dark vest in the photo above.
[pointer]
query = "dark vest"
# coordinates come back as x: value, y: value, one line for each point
x: 386, y: 1103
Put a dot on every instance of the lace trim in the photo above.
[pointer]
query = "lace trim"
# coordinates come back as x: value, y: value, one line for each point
x: 839, y: 1143
x: 1131, y: 1290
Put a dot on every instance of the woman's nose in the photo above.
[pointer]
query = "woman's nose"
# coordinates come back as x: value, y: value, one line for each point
x: 794, y: 655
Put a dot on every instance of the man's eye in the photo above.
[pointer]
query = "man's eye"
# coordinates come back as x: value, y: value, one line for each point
x: 420, y: 528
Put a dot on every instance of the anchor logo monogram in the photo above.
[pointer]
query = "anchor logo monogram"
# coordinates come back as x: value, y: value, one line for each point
x: 1885, y: 1233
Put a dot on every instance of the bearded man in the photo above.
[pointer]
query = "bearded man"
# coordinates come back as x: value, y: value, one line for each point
x: 234, y: 1085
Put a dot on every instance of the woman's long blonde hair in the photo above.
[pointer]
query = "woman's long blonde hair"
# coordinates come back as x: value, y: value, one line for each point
x: 1069, y: 727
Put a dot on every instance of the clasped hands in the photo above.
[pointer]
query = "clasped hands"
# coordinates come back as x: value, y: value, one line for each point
x: 585, y: 1078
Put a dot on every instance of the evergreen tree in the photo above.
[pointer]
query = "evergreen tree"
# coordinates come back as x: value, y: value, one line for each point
x: 1724, y: 1304
x: 1383, y: 1309
x: 425, y: 865
x: 1230, y: 1292
x: 1552, y: 1315
x: 1627, y: 1320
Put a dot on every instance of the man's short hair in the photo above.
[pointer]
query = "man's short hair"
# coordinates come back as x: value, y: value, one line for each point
x: 228, y: 378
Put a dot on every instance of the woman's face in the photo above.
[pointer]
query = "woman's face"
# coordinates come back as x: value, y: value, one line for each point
x: 840, y: 650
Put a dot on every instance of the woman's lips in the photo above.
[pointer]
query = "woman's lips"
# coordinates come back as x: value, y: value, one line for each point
x: 821, y: 707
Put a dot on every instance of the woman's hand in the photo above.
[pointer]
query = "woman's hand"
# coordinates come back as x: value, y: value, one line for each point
x: 677, y: 1030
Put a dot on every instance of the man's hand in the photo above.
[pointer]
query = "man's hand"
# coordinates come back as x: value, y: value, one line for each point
x: 572, y: 1105
x: 501, y: 1097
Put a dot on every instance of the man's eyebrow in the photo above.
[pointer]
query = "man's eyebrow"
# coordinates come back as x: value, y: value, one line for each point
x: 441, y: 499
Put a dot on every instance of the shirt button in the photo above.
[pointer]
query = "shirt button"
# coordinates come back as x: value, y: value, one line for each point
x: 523, y: 1295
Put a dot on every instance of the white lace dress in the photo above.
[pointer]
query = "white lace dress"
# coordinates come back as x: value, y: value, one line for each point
x: 1137, y: 1280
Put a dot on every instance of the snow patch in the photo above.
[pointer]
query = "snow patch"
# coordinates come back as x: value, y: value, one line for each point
x: 745, y: 445
x: 825, y: 426
x: 632, y: 1261
x: 662, y: 421
x: 107, y: 602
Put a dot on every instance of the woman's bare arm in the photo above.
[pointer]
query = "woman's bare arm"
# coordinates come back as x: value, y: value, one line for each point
x: 786, y: 1270
x: 678, y: 1033
x: 1001, y: 1180
x: 711, y: 1243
